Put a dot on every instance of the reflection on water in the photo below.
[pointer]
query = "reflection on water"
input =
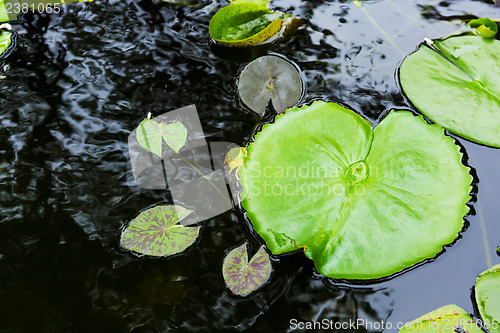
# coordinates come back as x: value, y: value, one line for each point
x: 80, y: 82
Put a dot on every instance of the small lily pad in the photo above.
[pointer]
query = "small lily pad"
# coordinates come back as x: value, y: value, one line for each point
x: 484, y: 26
x: 321, y: 180
x: 157, y: 232
x: 247, y: 24
x: 447, y: 319
x: 487, y: 292
x: 270, y: 77
x: 243, y: 277
x: 456, y: 83
x: 150, y: 135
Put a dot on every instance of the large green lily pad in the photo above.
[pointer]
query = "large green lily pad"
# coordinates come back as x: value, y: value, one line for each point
x: 456, y: 83
x: 247, y: 24
x: 488, y: 298
x: 157, y: 232
x: 362, y: 203
x: 447, y: 319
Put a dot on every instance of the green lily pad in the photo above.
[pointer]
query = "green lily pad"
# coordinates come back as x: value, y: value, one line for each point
x: 362, y: 203
x: 456, y: 83
x: 157, y: 232
x: 484, y: 26
x: 150, y: 135
x: 270, y: 77
x: 5, y: 41
x: 243, y: 277
x: 488, y: 298
x: 248, y: 24
x: 259, y: 2
x: 449, y: 318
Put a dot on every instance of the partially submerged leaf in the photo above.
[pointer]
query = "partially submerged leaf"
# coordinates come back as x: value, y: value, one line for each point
x: 270, y: 77
x: 247, y: 24
x: 157, y: 232
x: 321, y: 179
x: 485, y: 27
x: 447, y: 319
x: 243, y: 277
x: 234, y: 158
x: 487, y: 292
x: 456, y: 83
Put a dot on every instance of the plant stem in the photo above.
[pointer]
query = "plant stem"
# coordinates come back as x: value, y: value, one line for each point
x: 201, y: 173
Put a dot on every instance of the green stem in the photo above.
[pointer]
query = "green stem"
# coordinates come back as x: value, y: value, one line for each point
x: 378, y: 27
x: 201, y: 173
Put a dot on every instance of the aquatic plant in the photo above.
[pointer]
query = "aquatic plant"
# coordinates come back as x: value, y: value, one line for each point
x: 243, y: 277
x: 157, y: 232
x: 250, y: 23
x: 270, y: 78
x: 455, y: 82
x: 321, y: 180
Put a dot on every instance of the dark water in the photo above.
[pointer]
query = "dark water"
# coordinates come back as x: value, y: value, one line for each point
x: 80, y: 82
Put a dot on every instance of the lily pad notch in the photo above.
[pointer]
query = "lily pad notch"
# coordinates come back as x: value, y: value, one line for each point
x: 351, y: 197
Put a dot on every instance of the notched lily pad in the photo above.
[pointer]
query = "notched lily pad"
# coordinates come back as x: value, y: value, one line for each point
x: 322, y: 180
x: 456, y: 83
x: 447, y: 319
x: 151, y: 134
x: 485, y: 27
x: 487, y: 292
x: 247, y: 24
x: 270, y: 78
x: 243, y: 277
x: 157, y: 232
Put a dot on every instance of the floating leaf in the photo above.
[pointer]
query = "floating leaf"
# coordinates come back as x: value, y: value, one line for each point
x: 488, y: 298
x: 243, y: 277
x: 150, y: 135
x: 449, y: 318
x: 5, y: 41
x: 259, y: 2
x: 485, y: 27
x: 270, y: 77
x: 234, y: 158
x: 157, y: 232
x: 174, y: 134
x: 363, y: 203
x: 456, y: 84
x: 248, y: 24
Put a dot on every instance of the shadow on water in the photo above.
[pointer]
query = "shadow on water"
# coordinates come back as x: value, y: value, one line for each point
x: 79, y: 82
